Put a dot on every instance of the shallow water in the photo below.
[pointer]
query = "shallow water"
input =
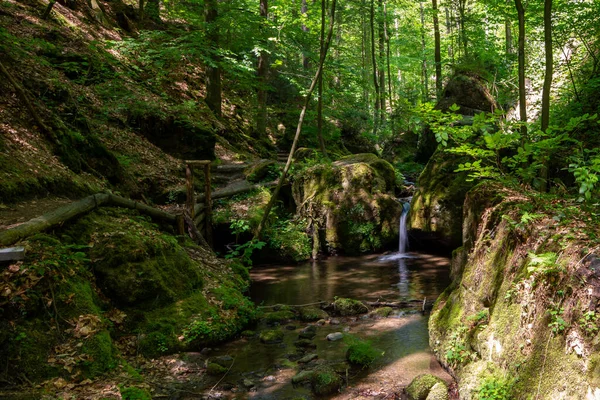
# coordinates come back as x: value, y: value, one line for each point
x: 401, y: 338
x: 413, y: 276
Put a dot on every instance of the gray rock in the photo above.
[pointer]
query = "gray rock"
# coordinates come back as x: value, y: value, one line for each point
x: 248, y: 383
x: 309, y: 332
x: 307, y: 358
x: 334, y: 321
x: 302, y: 376
x: 332, y: 337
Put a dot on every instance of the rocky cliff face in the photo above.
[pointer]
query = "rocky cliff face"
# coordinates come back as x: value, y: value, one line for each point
x: 521, y: 317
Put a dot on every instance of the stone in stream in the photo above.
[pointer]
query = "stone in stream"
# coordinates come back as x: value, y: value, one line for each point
x: 420, y: 388
x: 305, y: 343
x: 272, y: 336
x: 307, y: 358
x: 334, y: 321
x: 302, y: 376
x: 309, y: 332
x: 332, y: 337
x: 248, y: 383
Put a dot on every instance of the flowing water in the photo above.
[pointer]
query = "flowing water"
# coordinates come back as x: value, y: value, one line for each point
x: 261, y: 371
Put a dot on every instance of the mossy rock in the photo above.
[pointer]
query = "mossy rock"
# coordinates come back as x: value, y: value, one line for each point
x: 352, y: 202
x: 383, y: 312
x: 215, y: 369
x: 325, y: 381
x: 278, y: 317
x: 347, y: 307
x: 302, y: 376
x: 248, y: 333
x: 310, y: 314
x: 420, y: 387
x: 439, y: 391
x: 134, y: 393
x: 361, y: 353
x: 271, y: 336
x: 99, y: 348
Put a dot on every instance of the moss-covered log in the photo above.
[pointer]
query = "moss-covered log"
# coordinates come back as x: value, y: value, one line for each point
x: 76, y: 209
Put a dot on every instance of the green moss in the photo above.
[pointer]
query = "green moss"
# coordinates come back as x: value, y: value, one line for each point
x: 278, y: 317
x: 420, y: 387
x: 325, y: 381
x: 271, y: 336
x: 384, y: 311
x: 310, y: 314
x: 215, y: 369
x: 346, y: 307
x: 99, y: 348
x: 134, y: 393
x: 360, y: 352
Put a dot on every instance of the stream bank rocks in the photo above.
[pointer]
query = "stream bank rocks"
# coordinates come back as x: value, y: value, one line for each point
x: 351, y: 204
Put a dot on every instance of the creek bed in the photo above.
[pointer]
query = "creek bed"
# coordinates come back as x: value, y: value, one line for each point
x: 265, y: 371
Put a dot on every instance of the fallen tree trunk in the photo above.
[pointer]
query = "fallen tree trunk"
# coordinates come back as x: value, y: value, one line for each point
x: 52, y: 219
x: 75, y: 209
x: 232, y: 190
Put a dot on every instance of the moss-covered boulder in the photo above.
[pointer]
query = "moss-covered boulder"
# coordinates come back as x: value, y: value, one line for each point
x: 345, y: 307
x: 436, y: 210
x: 350, y: 202
x: 421, y: 386
x: 278, y: 317
x: 310, y: 314
x: 325, y: 381
x: 271, y: 336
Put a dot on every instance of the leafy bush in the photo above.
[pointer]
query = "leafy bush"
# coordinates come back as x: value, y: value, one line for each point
x: 494, y: 389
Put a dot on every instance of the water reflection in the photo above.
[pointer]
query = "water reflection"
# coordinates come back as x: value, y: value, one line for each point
x: 392, y: 278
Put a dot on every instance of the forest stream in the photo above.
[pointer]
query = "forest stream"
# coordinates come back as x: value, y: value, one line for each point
x: 265, y: 371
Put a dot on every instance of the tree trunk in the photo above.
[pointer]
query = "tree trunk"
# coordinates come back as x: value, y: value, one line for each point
x: 375, y: 73
x: 424, y: 77
x: 388, y: 54
x: 382, y: 103
x: 508, y: 37
x: 522, y: 88
x: 311, y: 89
x: 462, y: 5
x: 547, y: 86
x: 262, y: 72
x: 304, y: 11
x: 320, y: 85
x: 213, y: 69
x: 437, y: 51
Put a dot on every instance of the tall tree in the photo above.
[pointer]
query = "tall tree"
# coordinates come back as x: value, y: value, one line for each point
x: 375, y: 71
x: 424, y: 74
x: 213, y: 69
x: 521, y: 52
x: 545, y: 119
x: 262, y: 72
x: 381, y: 69
x: 437, y: 50
x: 320, y: 85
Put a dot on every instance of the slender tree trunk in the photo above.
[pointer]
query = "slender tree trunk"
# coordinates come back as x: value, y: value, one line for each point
x: 262, y: 73
x: 311, y: 89
x: 437, y: 50
x: 304, y: 11
x: 213, y: 70
x: 424, y: 77
x: 141, y: 10
x: 388, y: 52
x: 375, y: 72
x: 449, y: 34
x: 462, y: 6
x: 320, y: 84
x: 381, y: 29
x: 521, y: 53
x: 508, y: 36
x: 547, y: 85
x: 153, y: 9
x: 365, y: 57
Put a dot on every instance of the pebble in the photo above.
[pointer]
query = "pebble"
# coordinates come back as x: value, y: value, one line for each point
x: 332, y: 337
x: 334, y: 321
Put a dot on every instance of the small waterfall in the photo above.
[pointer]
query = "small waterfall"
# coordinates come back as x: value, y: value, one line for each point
x: 402, y: 230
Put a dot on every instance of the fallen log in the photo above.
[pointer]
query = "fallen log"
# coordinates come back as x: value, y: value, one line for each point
x: 237, y: 188
x: 51, y: 219
x: 65, y: 213
x: 12, y: 254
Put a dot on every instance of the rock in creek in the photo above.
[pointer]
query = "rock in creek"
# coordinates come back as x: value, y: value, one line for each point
x: 332, y: 337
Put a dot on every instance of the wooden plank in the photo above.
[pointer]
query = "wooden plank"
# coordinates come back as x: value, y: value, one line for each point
x: 208, y: 206
x: 12, y: 254
x: 189, y: 185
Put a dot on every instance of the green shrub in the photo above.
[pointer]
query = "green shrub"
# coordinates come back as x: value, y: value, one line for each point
x: 494, y: 389
x: 134, y: 393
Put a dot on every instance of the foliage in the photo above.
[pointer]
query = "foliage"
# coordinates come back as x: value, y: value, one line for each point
x: 457, y: 352
x: 134, y: 393
x: 589, y: 322
x: 557, y: 324
x: 495, y: 389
